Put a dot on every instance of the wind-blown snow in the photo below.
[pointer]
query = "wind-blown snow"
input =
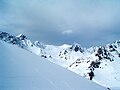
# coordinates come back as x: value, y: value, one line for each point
x: 22, y: 70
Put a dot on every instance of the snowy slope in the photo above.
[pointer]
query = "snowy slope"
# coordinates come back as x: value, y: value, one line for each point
x: 103, y: 61
x: 21, y: 70
x: 99, y: 64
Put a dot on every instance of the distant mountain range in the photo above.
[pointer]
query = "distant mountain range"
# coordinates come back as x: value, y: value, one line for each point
x: 99, y: 64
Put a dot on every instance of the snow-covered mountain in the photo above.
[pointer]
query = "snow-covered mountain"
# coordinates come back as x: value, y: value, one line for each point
x: 22, y: 70
x: 99, y: 64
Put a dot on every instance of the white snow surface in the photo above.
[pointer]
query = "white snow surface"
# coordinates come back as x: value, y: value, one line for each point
x: 103, y: 61
x: 22, y: 70
x: 108, y: 73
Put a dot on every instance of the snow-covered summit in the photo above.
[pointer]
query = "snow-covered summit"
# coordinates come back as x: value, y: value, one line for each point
x: 21, y: 37
x: 76, y: 47
x: 22, y: 70
x: 99, y: 64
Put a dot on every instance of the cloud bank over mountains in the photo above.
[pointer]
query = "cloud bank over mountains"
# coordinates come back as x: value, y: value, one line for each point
x: 89, y: 22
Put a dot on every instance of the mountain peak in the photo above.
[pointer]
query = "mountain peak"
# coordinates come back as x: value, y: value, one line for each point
x: 91, y: 63
x: 39, y: 44
x: 21, y: 37
x: 76, y: 47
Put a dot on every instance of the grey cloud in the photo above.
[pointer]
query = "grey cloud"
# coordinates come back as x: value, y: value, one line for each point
x: 93, y: 22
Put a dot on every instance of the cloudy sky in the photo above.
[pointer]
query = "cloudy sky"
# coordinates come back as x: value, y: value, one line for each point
x: 88, y: 22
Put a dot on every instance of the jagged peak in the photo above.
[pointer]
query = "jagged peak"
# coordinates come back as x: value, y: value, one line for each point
x: 21, y: 37
x: 4, y: 34
x: 77, y: 47
x: 39, y: 44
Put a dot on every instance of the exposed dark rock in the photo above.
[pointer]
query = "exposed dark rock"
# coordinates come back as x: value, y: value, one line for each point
x: 91, y: 75
x: 95, y: 64
x: 76, y: 48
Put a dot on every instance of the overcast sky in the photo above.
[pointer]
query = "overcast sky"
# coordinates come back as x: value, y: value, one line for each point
x: 88, y: 22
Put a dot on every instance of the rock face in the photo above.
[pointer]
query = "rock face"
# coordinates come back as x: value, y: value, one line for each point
x: 99, y: 64
x: 76, y: 47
